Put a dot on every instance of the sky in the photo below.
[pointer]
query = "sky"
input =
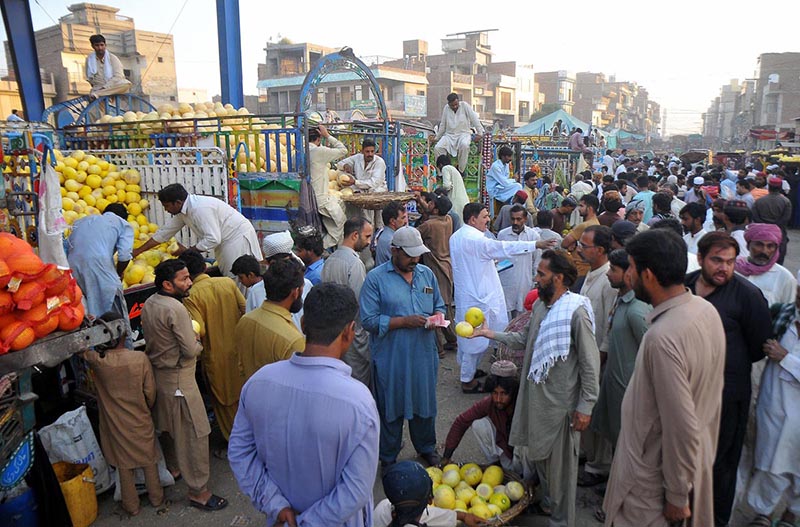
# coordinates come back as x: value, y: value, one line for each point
x: 681, y: 51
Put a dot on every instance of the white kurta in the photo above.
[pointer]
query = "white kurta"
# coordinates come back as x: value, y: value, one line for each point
x: 370, y: 177
x: 476, y: 281
x: 518, y: 280
x: 330, y: 208
x: 778, y: 285
x: 692, y: 239
x: 778, y: 411
x: 431, y: 516
x: 217, y: 226
x: 456, y: 124
x: 453, y: 183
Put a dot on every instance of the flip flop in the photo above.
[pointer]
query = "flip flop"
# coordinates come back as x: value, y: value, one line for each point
x: 760, y: 521
x: 214, y: 503
x: 478, y: 388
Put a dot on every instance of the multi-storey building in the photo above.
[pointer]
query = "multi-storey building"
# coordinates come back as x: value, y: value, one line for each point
x: 147, y: 57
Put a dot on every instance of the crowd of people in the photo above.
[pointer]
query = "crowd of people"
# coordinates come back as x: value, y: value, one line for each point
x: 622, y: 319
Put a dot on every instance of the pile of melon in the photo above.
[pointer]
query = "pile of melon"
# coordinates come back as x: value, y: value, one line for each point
x: 36, y: 299
x: 89, y: 184
x: 470, y: 489
x: 340, y: 183
x: 141, y: 270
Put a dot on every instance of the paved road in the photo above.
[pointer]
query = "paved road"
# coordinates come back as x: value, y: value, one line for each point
x: 240, y: 513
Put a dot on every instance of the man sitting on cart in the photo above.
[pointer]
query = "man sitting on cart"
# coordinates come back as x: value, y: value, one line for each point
x: 104, y: 70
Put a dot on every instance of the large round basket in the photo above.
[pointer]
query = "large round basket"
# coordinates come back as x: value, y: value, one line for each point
x: 376, y: 200
x: 516, y: 509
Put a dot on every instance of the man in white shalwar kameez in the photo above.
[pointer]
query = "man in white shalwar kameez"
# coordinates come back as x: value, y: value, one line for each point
x: 477, y: 283
x: 369, y: 171
x: 777, y: 460
x: 216, y: 225
x: 319, y: 160
x: 104, y: 70
x: 518, y: 280
x: 454, y: 135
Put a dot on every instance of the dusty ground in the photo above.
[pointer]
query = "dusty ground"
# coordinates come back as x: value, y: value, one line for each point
x: 240, y: 513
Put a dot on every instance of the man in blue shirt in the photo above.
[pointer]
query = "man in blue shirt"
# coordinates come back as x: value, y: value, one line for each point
x: 397, y: 299
x: 304, y: 445
x: 394, y: 216
x: 90, y: 253
x: 498, y: 184
x: 309, y: 249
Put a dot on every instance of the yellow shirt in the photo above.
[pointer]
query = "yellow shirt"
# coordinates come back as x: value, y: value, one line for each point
x: 266, y: 335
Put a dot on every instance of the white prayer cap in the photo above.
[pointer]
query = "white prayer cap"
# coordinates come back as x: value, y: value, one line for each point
x: 278, y: 243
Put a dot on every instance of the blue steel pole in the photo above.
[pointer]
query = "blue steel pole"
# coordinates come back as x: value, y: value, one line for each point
x: 21, y: 42
x: 230, y: 52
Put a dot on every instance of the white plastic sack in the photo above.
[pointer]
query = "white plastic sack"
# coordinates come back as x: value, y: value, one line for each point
x: 138, y: 477
x: 51, y: 219
x: 72, y: 439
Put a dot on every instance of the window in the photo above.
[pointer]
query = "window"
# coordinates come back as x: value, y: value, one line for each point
x: 171, y: 97
x: 505, y: 101
x: 421, y: 93
x: 161, y: 59
x: 127, y: 73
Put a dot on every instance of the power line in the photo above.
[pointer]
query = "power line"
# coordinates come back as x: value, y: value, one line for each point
x: 163, y: 41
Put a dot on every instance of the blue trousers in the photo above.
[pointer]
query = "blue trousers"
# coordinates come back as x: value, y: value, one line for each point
x: 423, y: 436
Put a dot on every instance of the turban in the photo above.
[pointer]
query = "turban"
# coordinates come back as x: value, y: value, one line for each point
x: 635, y: 205
x: 765, y: 232
x: 503, y: 368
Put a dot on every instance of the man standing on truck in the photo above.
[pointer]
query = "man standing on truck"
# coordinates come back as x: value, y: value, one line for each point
x: 217, y: 226
x: 320, y: 158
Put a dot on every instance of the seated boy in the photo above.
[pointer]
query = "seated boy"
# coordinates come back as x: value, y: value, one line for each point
x: 408, y: 496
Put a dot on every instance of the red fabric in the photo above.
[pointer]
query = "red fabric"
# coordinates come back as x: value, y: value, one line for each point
x: 530, y: 298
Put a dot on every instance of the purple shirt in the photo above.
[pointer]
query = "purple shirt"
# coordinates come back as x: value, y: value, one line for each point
x: 306, y: 437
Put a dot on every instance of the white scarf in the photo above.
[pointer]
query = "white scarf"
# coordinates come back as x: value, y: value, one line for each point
x: 91, y: 66
x: 553, y: 340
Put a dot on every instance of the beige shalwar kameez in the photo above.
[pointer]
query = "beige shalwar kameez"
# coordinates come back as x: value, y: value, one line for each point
x: 543, y: 413
x: 179, y: 413
x: 126, y: 391
x: 670, y: 418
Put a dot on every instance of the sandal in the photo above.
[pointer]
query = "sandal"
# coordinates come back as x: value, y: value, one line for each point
x: 477, y: 388
x: 760, y: 521
x: 214, y: 503
x: 600, y: 515
x: 539, y: 509
x: 588, y: 479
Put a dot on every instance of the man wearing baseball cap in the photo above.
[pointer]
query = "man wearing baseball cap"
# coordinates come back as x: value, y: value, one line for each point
x: 398, y: 302
x: 775, y: 208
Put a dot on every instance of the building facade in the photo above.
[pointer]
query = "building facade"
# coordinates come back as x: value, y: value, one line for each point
x: 147, y: 57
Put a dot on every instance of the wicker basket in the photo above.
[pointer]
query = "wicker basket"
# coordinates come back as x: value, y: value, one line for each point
x: 377, y: 200
x: 515, y: 510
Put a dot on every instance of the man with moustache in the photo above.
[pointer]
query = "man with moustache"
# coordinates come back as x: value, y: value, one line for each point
x: 692, y: 217
x: 761, y: 267
x: 662, y: 473
x: 561, y: 381
x: 179, y: 413
x: 397, y: 299
x: 477, y: 283
x: 746, y: 319
x: 268, y: 334
x: 593, y: 248
x: 345, y: 267
x: 518, y: 280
